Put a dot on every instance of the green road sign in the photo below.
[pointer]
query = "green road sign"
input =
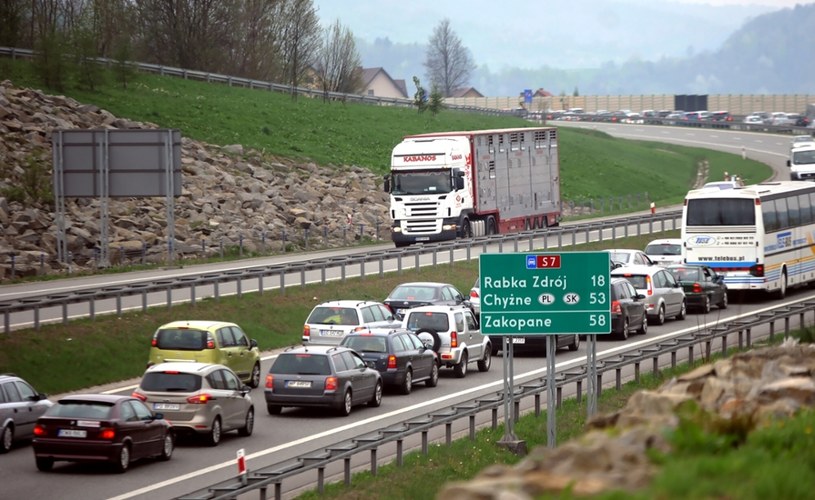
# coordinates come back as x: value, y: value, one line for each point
x: 545, y: 293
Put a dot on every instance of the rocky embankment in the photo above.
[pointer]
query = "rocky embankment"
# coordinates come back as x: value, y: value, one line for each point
x: 749, y: 389
x: 231, y: 196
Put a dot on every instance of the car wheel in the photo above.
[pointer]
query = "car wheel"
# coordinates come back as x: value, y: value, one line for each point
x: 249, y: 423
x: 273, y: 409
x: 345, y: 405
x: 661, y: 315
x: 575, y: 345
x: 683, y: 311
x: 254, y: 380
x: 433, y: 381
x: 495, y: 348
x: 6, y: 439
x: 376, y: 399
x: 644, y: 327
x: 123, y: 463
x: 214, y: 436
x: 624, y: 330
x: 427, y: 333
x: 407, y: 384
x: 460, y: 370
x: 44, y: 464
x: 485, y: 363
x: 723, y: 303
x: 169, y: 446
x: 706, y: 305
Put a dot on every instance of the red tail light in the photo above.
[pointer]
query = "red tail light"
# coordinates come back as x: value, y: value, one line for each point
x: 39, y: 430
x: 210, y: 344
x: 199, y: 399
x: 307, y: 331
x: 453, y: 339
x: 757, y: 270
x: 269, y: 381
x: 473, y: 294
x: 697, y: 288
x: 331, y: 384
x: 648, y: 285
x: 154, y: 342
x: 107, y: 433
x: 615, y: 307
x: 391, y: 361
x: 139, y: 395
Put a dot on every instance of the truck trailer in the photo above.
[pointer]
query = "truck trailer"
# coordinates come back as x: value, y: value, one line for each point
x: 450, y: 185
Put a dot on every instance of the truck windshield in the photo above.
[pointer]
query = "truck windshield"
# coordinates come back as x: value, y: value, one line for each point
x: 422, y: 182
x: 803, y: 157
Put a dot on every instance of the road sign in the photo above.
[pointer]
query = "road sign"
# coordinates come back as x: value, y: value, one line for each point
x: 545, y: 293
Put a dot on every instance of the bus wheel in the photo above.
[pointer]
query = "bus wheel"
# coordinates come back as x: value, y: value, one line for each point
x: 782, y: 290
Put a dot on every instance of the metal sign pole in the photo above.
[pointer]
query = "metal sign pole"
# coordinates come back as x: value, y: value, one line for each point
x: 509, y: 430
x: 591, y: 374
x: 170, y: 187
x: 551, y: 419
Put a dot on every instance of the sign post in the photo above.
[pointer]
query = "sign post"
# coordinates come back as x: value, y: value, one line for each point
x: 544, y: 293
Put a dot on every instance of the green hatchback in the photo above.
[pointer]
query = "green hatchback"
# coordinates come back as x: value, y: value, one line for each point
x: 215, y: 342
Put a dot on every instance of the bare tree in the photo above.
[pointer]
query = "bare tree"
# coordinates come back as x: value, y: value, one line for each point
x: 338, y: 64
x: 254, y: 50
x: 14, y: 14
x: 300, y: 41
x: 448, y: 62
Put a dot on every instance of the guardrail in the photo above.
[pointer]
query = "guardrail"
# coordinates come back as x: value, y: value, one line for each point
x: 274, y: 475
x: 558, y: 236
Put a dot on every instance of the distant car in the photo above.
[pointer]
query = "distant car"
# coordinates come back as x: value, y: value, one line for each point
x: 665, y: 251
x: 703, y: 286
x: 199, y: 398
x: 664, y: 296
x: 455, y: 333
x: 409, y: 295
x: 753, y: 120
x: 627, y: 309
x: 20, y: 407
x: 800, y: 140
x: 335, y: 377
x: 401, y: 358
x: 475, y: 296
x: 329, y: 322
x: 629, y: 257
x: 216, y: 342
x: 101, y: 428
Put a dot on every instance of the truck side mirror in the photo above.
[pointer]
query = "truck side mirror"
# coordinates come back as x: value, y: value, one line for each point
x: 387, y: 187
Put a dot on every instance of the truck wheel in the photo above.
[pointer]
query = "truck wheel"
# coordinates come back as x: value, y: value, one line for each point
x: 466, y: 230
x: 491, y: 226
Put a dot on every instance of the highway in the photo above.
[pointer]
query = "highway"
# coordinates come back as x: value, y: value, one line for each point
x: 277, y: 438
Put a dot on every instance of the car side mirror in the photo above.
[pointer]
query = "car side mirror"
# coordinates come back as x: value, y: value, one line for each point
x: 158, y: 416
x: 253, y: 343
x: 639, y: 296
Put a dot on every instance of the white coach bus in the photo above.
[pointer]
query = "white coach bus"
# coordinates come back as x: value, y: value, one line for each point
x: 760, y: 237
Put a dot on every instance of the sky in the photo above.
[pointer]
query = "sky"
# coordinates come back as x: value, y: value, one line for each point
x: 519, y: 33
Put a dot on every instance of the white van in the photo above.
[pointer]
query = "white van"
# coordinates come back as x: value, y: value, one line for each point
x: 802, y: 162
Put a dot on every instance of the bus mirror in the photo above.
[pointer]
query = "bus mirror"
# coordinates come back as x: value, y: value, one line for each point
x: 387, y: 186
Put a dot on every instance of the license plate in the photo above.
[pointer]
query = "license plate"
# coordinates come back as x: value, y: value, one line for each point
x: 518, y: 340
x: 166, y: 406
x: 299, y: 384
x: 72, y: 433
x: 423, y: 238
x: 331, y: 333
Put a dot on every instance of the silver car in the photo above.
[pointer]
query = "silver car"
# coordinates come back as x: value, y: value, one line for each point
x: 20, y: 407
x: 664, y: 296
x: 329, y: 322
x: 198, y: 398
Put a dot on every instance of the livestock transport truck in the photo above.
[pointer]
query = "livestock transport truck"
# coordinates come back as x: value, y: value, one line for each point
x: 452, y: 185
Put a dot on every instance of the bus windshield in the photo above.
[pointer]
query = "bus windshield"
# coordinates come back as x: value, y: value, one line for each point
x: 428, y: 182
x: 721, y: 212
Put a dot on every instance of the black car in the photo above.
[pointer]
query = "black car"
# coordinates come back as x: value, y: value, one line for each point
x: 627, y: 309
x: 321, y: 376
x: 703, y: 286
x: 401, y: 358
x: 422, y: 293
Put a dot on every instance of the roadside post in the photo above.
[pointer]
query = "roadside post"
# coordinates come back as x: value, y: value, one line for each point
x: 544, y: 294
x: 242, y: 466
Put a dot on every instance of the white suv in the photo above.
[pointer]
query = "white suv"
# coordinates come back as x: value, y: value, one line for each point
x: 455, y: 333
x: 329, y: 322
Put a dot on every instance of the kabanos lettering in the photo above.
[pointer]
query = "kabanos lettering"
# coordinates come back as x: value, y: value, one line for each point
x: 420, y: 158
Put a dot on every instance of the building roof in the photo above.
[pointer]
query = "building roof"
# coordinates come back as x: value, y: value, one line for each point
x: 368, y: 75
x: 466, y: 92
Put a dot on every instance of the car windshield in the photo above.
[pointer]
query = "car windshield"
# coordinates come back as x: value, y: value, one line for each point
x: 80, y: 409
x: 170, y: 382
x: 301, y: 364
x: 428, y: 321
x: 333, y: 315
x: 663, y: 249
x: 363, y: 343
x: 639, y: 281
x: 687, y: 274
x: 181, y: 340
x: 422, y: 182
x: 413, y: 293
